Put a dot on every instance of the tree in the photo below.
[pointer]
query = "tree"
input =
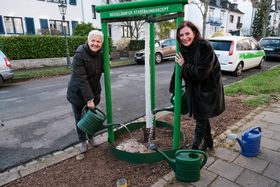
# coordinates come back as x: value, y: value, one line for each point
x: 203, y: 6
x: 82, y: 29
x: 165, y: 27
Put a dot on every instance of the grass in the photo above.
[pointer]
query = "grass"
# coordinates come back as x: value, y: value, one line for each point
x: 258, y: 89
x: 55, y: 71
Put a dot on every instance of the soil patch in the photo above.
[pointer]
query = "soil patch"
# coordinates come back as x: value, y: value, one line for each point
x: 100, y: 168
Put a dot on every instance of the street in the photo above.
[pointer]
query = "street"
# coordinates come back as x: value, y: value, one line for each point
x: 38, y: 119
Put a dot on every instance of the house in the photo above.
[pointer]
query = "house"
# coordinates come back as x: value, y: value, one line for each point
x: 221, y: 14
x: 250, y: 9
x: 43, y: 16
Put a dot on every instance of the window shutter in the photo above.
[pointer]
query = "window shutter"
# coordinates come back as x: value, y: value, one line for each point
x: 2, y: 31
x: 72, y: 2
x: 74, y: 24
x: 44, y: 23
x: 30, y: 28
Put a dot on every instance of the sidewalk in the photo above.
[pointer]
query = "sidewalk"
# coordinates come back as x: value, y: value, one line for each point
x: 228, y: 168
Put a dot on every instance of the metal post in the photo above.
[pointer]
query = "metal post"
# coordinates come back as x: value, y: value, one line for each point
x: 66, y: 42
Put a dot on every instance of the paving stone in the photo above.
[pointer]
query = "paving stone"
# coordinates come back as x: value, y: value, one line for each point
x: 269, y: 155
x: 225, y: 154
x: 276, y: 137
x: 206, y: 177
x: 225, y: 169
x: 220, y: 181
x: 267, y: 133
x: 271, y: 117
x: 252, y: 163
x: 159, y: 183
x: 270, y: 144
x: 210, y: 160
x: 9, y: 176
x: 170, y: 176
x: 278, y: 184
x: 250, y: 178
x: 273, y: 171
x: 271, y: 126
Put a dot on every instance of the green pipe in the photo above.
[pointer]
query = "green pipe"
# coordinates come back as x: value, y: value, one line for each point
x: 152, y: 66
x: 177, y: 109
x: 137, y: 4
x: 107, y: 81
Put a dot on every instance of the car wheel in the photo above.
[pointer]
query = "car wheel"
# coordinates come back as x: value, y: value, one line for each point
x: 261, y: 64
x: 1, y: 81
x: 158, y: 58
x: 238, y: 70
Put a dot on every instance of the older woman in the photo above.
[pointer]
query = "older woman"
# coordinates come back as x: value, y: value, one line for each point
x: 84, y: 86
x: 201, y: 72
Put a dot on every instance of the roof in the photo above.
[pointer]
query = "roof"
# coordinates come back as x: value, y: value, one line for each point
x: 225, y: 4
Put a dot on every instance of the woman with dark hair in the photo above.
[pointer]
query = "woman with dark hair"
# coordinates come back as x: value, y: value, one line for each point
x: 201, y: 72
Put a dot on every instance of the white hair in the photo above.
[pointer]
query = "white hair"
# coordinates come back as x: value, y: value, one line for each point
x: 95, y: 33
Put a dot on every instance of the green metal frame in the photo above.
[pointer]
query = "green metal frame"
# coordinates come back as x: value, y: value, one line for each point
x: 151, y: 11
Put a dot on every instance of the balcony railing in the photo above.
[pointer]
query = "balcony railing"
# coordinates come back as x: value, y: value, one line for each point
x: 215, y: 21
x: 239, y: 25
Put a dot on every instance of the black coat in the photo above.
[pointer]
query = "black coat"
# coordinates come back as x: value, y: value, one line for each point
x: 84, y: 84
x: 202, y: 75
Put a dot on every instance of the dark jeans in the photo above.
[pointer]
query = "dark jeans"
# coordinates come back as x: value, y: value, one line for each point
x: 77, y: 110
x: 202, y: 131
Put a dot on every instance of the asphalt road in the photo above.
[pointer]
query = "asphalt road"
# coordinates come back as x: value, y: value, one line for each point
x: 38, y: 119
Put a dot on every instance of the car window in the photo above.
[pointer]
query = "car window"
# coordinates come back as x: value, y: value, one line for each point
x: 270, y: 42
x: 166, y: 43
x: 2, y: 56
x: 220, y: 45
x: 254, y: 44
x: 246, y: 44
x: 239, y: 46
x: 173, y: 42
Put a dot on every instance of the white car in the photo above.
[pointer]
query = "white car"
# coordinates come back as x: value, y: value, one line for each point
x: 238, y: 53
x: 6, y: 72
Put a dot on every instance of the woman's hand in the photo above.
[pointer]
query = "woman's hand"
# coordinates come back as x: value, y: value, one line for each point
x: 90, y: 104
x: 179, y: 59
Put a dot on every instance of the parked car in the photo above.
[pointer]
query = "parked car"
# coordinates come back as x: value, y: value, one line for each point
x: 164, y: 49
x: 6, y: 72
x: 238, y: 53
x: 271, y: 46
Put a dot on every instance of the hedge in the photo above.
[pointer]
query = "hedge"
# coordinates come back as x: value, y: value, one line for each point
x: 135, y: 45
x: 38, y: 46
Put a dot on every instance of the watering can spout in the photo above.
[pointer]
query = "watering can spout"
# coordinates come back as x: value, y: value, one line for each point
x: 241, y: 143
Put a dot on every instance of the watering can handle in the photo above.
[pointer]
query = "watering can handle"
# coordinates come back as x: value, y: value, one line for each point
x: 196, y: 151
x: 85, y: 109
x: 247, y: 132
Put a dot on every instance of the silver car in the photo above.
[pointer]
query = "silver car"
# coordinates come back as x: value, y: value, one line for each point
x: 6, y: 73
x: 164, y: 49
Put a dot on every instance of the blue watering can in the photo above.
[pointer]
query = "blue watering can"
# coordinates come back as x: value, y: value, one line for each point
x: 251, y: 142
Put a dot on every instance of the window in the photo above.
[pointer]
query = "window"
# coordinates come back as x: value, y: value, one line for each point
x: 93, y: 11
x: 13, y: 25
x: 30, y: 28
x: 231, y: 18
x: 211, y: 12
x: 222, y: 15
x: 238, y: 19
x: 2, y: 31
x: 56, y: 1
x: 58, y: 27
x: 126, y: 31
x: 220, y: 45
x: 74, y: 24
x: 72, y: 2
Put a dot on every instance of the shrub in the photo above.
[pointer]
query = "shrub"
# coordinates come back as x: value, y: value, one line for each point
x: 136, y: 45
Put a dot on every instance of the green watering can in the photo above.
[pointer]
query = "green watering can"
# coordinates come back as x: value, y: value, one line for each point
x: 92, y: 120
x: 187, y: 163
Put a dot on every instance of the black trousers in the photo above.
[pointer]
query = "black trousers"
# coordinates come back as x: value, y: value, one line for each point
x: 77, y: 110
x: 202, y: 131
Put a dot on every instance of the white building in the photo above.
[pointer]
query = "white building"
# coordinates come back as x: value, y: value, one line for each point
x: 221, y: 13
x: 247, y: 7
x: 39, y: 16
